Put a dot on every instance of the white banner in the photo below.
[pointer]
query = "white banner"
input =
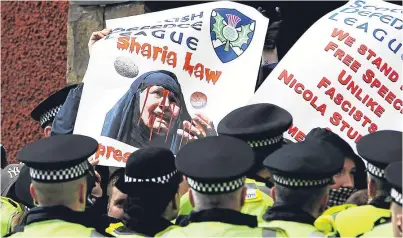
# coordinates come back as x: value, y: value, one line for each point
x: 344, y: 73
x: 159, y: 76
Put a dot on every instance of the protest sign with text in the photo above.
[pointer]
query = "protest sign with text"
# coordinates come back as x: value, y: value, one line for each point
x: 343, y: 74
x: 166, y: 78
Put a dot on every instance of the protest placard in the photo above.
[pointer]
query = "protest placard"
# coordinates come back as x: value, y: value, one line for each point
x: 343, y: 74
x: 166, y: 78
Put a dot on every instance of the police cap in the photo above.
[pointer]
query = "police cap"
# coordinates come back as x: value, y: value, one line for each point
x: 46, y: 111
x: 260, y: 125
x: 58, y: 158
x: 311, y: 163
x: 215, y: 164
x: 149, y: 168
x: 393, y: 174
x: 380, y: 149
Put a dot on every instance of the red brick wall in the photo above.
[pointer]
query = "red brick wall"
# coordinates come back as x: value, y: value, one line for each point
x: 33, y: 65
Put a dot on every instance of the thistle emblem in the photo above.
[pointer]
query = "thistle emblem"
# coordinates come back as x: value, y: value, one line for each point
x: 231, y: 33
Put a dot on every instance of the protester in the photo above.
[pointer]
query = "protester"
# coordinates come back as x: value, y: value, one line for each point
x: 352, y: 177
x: 217, y: 191
x: 379, y: 149
x: 269, y: 55
x: 393, y: 175
x: 58, y: 186
x: 116, y: 198
x: 46, y: 111
x: 11, y: 211
x: 302, y: 173
x: 151, y: 182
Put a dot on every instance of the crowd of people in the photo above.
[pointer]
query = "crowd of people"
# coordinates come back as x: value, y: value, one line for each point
x: 248, y: 180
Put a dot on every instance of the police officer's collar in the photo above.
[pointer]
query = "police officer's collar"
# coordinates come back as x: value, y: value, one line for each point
x: 39, y: 214
x: 288, y: 213
x: 149, y: 226
x: 224, y: 216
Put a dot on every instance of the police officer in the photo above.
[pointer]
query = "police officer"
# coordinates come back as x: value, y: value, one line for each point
x: 58, y: 166
x: 46, y: 111
x: 379, y: 149
x: 302, y: 173
x: 151, y: 182
x: 393, y: 175
x: 262, y: 127
x: 215, y: 169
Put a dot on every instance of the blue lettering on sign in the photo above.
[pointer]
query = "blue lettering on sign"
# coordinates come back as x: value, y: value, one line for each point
x: 358, y: 14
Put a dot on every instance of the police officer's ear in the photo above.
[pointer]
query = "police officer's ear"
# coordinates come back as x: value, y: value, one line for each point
x: 371, y: 189
x: 82, y: 193
x: 33, y: 193
x: 47, y: 131
x: 191, y: 200
x: 243, y: 195
x: 273, y: 193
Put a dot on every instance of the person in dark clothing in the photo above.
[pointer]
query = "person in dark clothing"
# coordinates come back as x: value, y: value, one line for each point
x: 151, y: 183
x: 353, y: 176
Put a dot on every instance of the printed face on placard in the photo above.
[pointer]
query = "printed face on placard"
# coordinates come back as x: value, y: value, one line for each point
x: 159, y: 108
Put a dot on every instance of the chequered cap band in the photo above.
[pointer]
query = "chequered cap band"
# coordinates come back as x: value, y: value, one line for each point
x: 215, y: 188
x: 397, y: 196
x: 294, y: 182
x: 372, y: 169
x: 48, y: 115
x: 265, y: 142
x: 59, y: 175
x: 163, y: 179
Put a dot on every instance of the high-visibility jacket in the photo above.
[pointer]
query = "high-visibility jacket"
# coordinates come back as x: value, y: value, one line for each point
x: 219, y: 229
x: 354, y: 221
x: 10, y: 212
x: 293, y: 229
x: 119, y: 230
x: 56, y: 228
x: 384, y: 230
x: 256, y: 201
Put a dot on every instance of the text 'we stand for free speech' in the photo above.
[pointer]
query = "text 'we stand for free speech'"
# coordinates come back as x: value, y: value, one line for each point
x: 353, y: 88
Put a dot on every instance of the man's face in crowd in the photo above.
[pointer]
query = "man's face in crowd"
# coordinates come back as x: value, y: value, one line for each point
x: 159, y: 108
x: 116, y: 202
x: 346, y: 177
x: 397, y: 219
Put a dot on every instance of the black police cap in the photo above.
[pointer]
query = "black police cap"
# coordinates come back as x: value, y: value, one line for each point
x: 380, y: 149
x: 58, y: 158
x: 46, y: 111
x: 393, y: 174
x: 215, y: 164
x: 311, y: 163
x: 260, y: 125
x: 152, y: 167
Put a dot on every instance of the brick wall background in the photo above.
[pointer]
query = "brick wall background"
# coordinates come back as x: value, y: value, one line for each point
x: 33, y: 65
